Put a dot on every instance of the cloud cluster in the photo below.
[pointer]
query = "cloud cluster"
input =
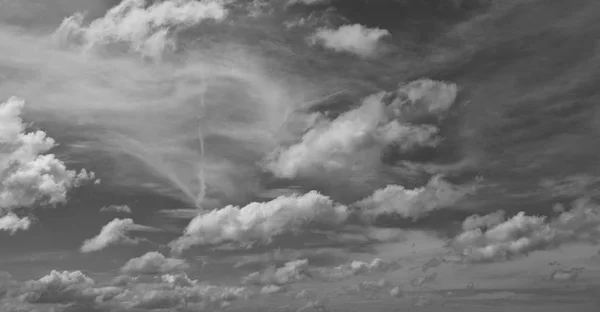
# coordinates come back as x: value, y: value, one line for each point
x: 494, y: 238
x: 63, y: 287
x: 357, y: 268
x: 28, y: 175
x: 412, y: 203
x: 405, y: 119
x: 79, y: 290
x: 355, y: 39
x: 114, y: 232
x: 144, y: 25
x: 259, y: 222
x: 291, y: 272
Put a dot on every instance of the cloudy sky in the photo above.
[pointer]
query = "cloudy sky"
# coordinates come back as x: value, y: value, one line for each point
x: 299, y: 155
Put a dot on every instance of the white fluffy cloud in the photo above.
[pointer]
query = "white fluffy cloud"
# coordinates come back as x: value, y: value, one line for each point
x: 492, y: 238
x: 145, y: 26
x: 415, y: 203
x: 11, y: 223
x: 28, y: 175
x: 356, y: 39
x: 356, y: 139
x: 114, y: 232
x: 259, y: 222
x: 152, y: 263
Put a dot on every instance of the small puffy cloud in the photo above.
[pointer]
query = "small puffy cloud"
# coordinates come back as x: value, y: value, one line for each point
x: 116, y: 209
x: 396, y: 292
x: 487, y: 221
x: 278, y: 257
x: 179, y: 280
x: 114, y: 232
x: 153, y: 263
x: 405, y: 120
x: 356, y: 39
x: 11, y: 223
x: 496, y: 240
x: 146, y: 27
x: 413, y: 204
x: 565, y: 275
x: 272, y: 289
x: 28, y: 175
x: 259, y: 222
x: 356, y: 268
x: 292, y: 271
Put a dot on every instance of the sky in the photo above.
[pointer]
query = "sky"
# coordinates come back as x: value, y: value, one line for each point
x: 299, y: 155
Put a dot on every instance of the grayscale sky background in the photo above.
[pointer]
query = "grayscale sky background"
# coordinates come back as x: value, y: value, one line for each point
x: 295, y: 155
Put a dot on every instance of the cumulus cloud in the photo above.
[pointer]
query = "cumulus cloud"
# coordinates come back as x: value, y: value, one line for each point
x: 114, y: 232
x: 292, y: 271
x: 146, y: 26
x: 474, y: 222
x: 169, y: 292
x: 356, y: 39
x: 194, y: 298
x: 405, y: 119
x: 153, y: 263
x: 11, y: 223
x: 116, y: 209
x: 357, y: 268
x: 503, y: 239
x: 566, y: 275
x: 63, y: 287
x: 28, y: 175
x: 412, y: 203
x: 259, y: 222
